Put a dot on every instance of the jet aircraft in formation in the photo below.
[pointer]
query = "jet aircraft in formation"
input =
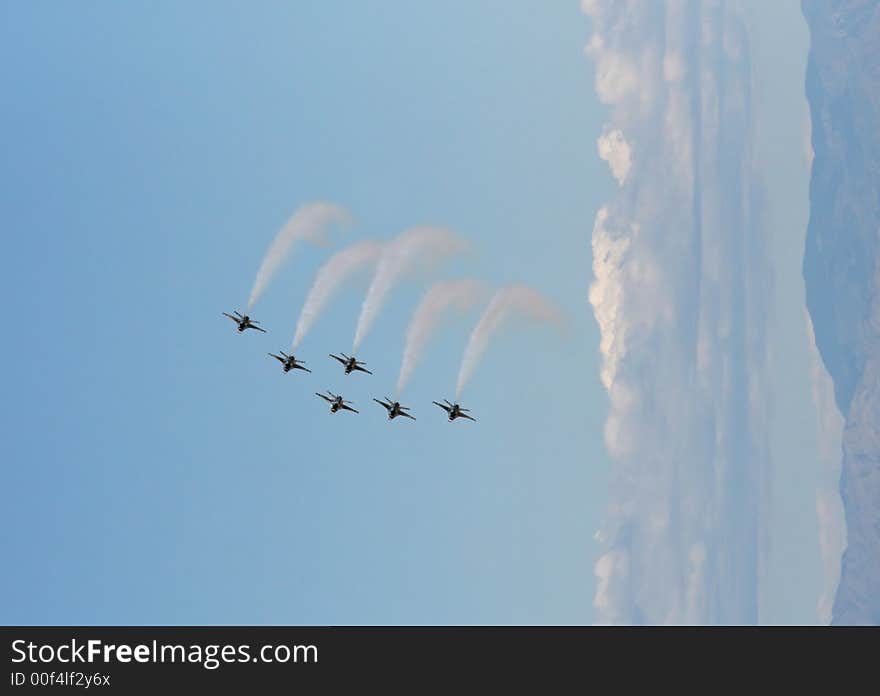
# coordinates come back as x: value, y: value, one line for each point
x: 455, y: 411
x: 351, y: 364
x: 394, y: 409
x: 288, y: 362
x: 336, y: 402
x: 244, y: 322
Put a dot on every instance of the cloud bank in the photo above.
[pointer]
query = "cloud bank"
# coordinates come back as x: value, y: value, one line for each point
x: 309, y: 223
x: 680, y: 290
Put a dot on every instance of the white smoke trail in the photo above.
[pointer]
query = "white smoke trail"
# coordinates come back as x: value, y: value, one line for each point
x: 413, y: 248
x: 309, y: 223
x: 507, y: 302
x: 330, y: 277
x: 449, y: 294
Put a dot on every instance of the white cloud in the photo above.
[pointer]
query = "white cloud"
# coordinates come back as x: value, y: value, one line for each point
x: 612, y: 573
x: 679, y: 296
x: 616, y: 77
x: 589, y: 7
x: 614, y: 149
x: 606, y: 293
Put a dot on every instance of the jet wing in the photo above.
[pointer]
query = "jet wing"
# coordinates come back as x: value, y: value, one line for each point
x: 362, y: 369
x: 464, y: 415
x: 349, y: 408
x: 231, y: 317
x: 251, y: 326
x: 445, y: 408
x: 404, y: 413
x: 277, y: 357
x: 382, y: 403
x: 325, y: 397
x: 336, y: 357
x: 297, y: 366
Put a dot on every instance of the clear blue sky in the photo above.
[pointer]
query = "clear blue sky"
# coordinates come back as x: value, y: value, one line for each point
x: 158, y: 467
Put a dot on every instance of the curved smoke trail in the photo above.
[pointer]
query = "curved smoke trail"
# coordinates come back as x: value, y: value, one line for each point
x: 449, y: 294
x: 507, y: 302
x: 309, y: 222
x: 411, y: 249
x: 330, y: 277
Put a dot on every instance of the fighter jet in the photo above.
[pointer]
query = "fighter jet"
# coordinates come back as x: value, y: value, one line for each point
x: 455, y: 411
x: 394, y: 408
x: 351, y: 363
x: 288, y: 362
x: 336, y: 402
x: 244, y: 322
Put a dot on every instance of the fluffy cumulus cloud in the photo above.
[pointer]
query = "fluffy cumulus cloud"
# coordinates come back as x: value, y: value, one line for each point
x: 606, y: 292
x: 680, y: 291
x: 614, y: 149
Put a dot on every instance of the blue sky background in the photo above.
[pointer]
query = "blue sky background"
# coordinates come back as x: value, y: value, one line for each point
x: 159, y: 468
